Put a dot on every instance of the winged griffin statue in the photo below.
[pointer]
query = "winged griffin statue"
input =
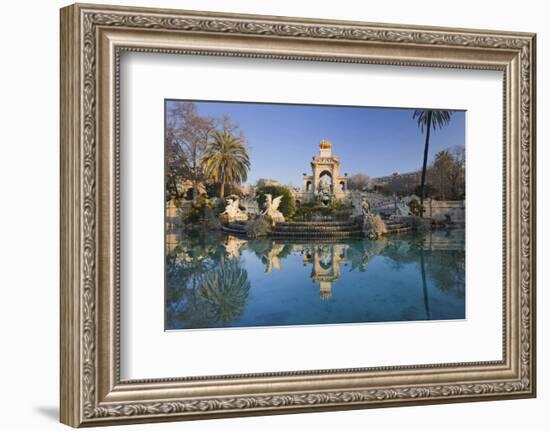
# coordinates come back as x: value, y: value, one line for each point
x: 272, y: 208
x: 232, y: 211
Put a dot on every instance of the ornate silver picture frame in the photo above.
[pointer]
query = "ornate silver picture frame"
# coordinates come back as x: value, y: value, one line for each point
x: 92, y: 40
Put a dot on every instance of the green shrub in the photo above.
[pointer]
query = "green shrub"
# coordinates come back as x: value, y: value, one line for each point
x: 288, y: 205
x: 415, y: 207
x: 308, y: 210
x: 197, y: 210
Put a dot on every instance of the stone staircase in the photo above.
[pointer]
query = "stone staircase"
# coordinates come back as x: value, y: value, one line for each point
x: 317, y: 229
x: 394, y: 226
x: 234, y: 228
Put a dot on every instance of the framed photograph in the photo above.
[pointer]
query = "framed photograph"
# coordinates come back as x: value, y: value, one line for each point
x: 266, y: 215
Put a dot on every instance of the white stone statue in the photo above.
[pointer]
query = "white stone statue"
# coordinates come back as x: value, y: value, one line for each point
x: 271, y: 208
x: 232, y: 211
x: 323, y: 193
x: 403, y: 209
x: 365, y: 206
x: 324, y: 186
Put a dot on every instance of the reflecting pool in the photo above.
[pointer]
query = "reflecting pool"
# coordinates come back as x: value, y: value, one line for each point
x: 222, y: 281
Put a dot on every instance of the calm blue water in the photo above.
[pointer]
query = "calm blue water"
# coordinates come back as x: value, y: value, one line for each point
x: 221, y: 281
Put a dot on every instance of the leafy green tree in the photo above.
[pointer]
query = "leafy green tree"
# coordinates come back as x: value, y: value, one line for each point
x: 429, y: 119
x: 288, y: 205
x: 226, y: 159
x: 414, y: 206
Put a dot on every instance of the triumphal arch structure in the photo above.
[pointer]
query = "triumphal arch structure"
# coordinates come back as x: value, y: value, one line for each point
x: 325, y: 179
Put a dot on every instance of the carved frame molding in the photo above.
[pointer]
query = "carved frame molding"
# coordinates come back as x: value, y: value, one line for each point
x: 92, y: 38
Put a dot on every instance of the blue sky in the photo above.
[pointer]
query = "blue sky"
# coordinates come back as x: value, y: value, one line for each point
x: 377, y: 141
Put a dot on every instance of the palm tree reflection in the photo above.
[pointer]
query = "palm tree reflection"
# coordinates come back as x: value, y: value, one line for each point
x: 224, y: 292
x: 204, y: 289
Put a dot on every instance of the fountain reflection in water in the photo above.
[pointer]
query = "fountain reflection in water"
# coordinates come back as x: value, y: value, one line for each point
x: 224, y: 281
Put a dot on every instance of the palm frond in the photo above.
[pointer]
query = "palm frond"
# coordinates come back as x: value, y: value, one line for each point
x: 438, y: 118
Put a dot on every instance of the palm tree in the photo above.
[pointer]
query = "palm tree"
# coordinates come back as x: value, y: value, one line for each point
x: 429, y: 119
x: 226, y: 159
